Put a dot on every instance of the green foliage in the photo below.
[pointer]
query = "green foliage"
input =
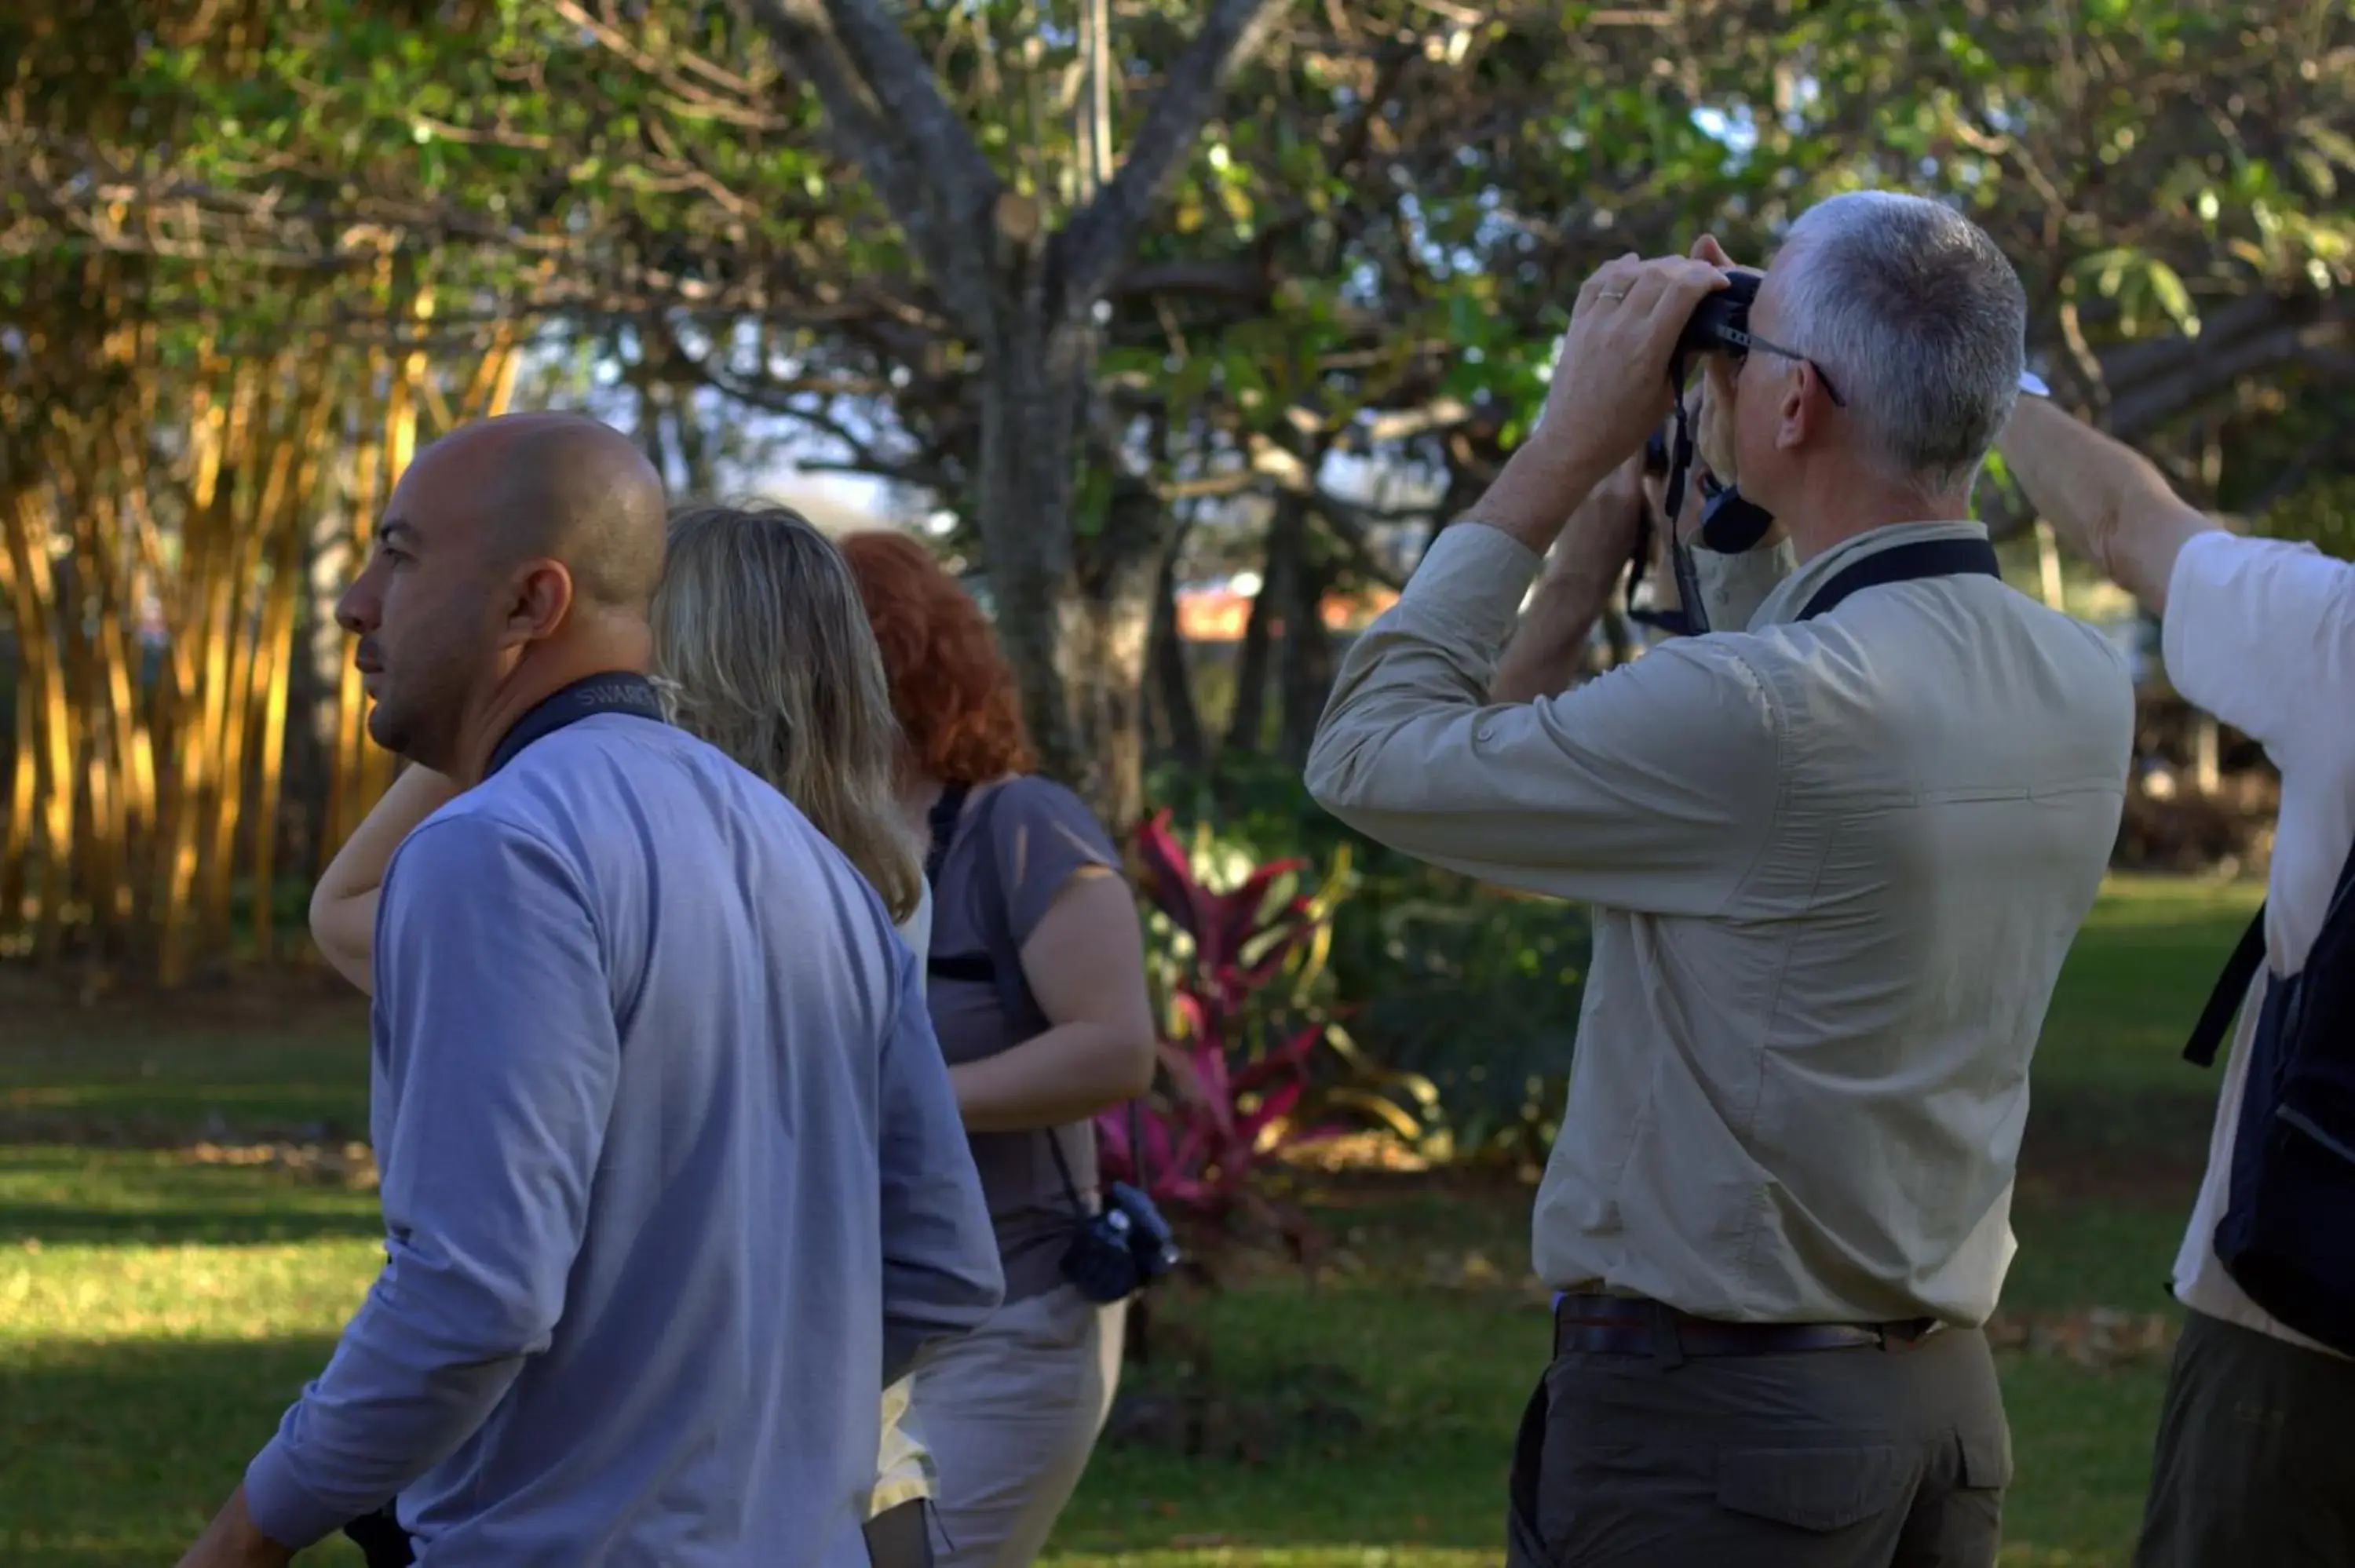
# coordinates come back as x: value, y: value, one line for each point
x: 1459, y: 1003
x: 1395, y: 202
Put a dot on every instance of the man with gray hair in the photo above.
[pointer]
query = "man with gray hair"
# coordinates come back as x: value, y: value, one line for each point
x: 1837, y: 845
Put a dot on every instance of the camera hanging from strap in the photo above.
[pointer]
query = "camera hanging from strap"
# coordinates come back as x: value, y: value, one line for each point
x: 1731, y: 524
x: 1115, y: 1250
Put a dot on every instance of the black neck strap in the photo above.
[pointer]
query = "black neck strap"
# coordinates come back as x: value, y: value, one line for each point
x: 1730, y: 522
x: 615, y: 692
x: 1906, y: 563
x: 943, y: 820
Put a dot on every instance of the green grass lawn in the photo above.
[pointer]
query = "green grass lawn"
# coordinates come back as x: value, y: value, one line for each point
x: 156, y: 1313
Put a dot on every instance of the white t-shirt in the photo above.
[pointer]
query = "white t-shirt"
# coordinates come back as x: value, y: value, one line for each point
x: 2261, y: 634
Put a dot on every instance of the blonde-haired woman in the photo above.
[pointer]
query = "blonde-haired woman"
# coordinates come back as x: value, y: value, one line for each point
x: 763, y: 648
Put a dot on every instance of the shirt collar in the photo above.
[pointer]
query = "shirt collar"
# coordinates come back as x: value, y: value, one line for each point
x: 1790, y: 596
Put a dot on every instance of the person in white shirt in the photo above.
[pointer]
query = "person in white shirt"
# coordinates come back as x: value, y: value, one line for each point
x: 2254, y: 1459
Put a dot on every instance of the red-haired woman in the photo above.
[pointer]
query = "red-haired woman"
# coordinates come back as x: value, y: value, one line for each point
x: 1024, y: 879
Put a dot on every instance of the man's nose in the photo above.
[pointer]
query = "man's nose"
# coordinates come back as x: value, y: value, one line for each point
x: 356, y: 612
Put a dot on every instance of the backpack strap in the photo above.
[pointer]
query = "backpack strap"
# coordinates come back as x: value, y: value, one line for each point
x: 1000, y: 963
x: 2232, y: 987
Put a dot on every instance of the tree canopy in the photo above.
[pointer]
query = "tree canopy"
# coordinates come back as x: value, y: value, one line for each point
x: 1089, y: 274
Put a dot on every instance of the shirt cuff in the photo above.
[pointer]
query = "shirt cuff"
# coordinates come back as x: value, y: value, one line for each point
x: 282, y: 1507
x: 1474, y: 578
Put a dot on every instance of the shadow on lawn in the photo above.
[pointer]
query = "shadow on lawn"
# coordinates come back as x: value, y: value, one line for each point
x: 67, y: 1195
x: 117, y: 1453
x: 64, y: 1225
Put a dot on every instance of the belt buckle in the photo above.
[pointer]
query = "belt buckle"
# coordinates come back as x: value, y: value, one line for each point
x: 1909, y: 1335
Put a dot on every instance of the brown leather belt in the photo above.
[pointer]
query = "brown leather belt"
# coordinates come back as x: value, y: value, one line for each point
x: 1628, y: 1326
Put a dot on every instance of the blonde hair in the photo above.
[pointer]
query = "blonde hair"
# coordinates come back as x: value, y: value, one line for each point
x: 763, y: 649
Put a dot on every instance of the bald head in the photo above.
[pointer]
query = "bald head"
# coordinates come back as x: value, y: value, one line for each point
x: 561, y: 486
x: 516, y: 556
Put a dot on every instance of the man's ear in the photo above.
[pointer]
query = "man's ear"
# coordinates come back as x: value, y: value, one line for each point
x: 539, y: 602
x: 1793, y: 421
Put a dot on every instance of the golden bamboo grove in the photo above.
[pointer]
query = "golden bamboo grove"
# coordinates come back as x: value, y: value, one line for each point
x: 177, y: 520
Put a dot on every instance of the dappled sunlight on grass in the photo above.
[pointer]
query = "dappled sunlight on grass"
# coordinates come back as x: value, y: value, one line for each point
x: 159, y: 1312
x: 51, y: 1194
x: 60, y: 1298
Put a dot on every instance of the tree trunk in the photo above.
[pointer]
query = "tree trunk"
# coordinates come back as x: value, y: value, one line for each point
x: 1179, y: 720
x: 1103, y: 660
x: 1034, y: 379
x: 2207, y: 748
x: 2048, y: 564
x: 1247, y: 722
x: 1307, y: 674
x: 694, y: 442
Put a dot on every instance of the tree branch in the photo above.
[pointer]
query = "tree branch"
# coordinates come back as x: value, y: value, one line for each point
x: 1242, y: 281
x: 2138, y: 408
x: 1088, y: 254
x: 1349, y: 524
x: 886, y: 115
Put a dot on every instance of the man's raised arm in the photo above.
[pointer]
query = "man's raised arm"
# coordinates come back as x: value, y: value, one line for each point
x: 1639, y: 789
x: 2236, y: 611
x: 2102, y: 496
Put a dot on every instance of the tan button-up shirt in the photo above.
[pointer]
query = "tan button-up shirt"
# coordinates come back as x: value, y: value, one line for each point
x: 1835, y: 864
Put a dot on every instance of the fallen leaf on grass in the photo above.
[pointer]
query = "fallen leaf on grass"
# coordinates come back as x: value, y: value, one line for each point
x: 2091, y: 1337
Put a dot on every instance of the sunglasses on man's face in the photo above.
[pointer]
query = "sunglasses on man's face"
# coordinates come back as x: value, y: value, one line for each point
x: 1751, y: 342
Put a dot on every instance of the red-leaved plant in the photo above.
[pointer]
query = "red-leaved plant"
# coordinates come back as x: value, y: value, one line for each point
x: 1236, y: 1057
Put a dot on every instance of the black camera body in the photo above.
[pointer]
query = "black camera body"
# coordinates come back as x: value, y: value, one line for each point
x: 1113, y: 1254
x: 1720, y: 322
x: 1730, y: 522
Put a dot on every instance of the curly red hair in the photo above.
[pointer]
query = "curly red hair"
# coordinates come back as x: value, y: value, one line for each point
x: 951, y: 687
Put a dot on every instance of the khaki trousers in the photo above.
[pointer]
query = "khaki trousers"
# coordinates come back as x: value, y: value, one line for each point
x: 1010, y: 1414
x: 1858, y: 1458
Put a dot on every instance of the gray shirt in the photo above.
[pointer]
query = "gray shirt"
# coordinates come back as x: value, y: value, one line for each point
x: 673, y: 1179
x: 1041, y: 835
x: 1835, y: 864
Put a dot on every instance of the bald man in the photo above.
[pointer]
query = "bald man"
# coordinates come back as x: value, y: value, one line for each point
x: 673, y: 1176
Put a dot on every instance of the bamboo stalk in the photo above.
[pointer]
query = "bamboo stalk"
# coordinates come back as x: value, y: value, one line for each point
x: 400, y: 449
x: 243, y: 699
x: 352, y: 799
x: 501, y: 364
x: 108, y: 839
x: 23, y: 784
x: 136, y: 755
x: 211, y: 599
x: 149, y: 719
x: 75, y: 487
x: 277, y: 651
x: 52, y: 744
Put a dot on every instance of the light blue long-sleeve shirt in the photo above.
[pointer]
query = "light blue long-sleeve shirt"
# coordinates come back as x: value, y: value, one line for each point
x: 673, y: 1179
